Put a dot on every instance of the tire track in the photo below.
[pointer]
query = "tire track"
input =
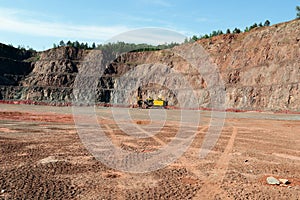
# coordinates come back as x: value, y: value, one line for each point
x: 213, y: 182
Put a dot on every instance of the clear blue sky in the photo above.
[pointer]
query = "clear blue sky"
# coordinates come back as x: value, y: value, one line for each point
x: 39, y: 24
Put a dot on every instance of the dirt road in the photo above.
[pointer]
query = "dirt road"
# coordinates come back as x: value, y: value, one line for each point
x: 42, y: 156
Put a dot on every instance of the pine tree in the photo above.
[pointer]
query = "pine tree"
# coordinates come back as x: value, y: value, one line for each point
x: 267, y: 23
x: 194, y: 38
x: 76, y: 44
x: 62, y: 43
x: 237, y: 30
x: 69, y: 43
x: 298, y: 12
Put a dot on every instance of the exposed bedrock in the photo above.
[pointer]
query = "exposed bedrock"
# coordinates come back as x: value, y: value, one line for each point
x: 257, y: 70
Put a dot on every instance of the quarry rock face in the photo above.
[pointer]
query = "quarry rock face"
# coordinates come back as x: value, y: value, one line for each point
x: 257, y: 70
x: 260, y: 69
x: 13, y: 65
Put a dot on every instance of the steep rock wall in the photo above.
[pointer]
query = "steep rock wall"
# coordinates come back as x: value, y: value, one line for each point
x: 260, y: 70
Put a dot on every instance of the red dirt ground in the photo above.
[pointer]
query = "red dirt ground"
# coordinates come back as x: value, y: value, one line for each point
x: 42, y: 157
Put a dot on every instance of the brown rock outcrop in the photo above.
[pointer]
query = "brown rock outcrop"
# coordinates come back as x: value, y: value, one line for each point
x: 260, y: 70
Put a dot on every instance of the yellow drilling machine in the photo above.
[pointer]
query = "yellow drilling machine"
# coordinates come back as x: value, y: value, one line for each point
x: 152, y: 103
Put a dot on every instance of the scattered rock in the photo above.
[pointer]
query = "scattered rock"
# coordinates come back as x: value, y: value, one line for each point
x: 112, y: 175
x: 272, y: 181
x: 50, y: 159
x: 284, y: 181
x: 2, y: 191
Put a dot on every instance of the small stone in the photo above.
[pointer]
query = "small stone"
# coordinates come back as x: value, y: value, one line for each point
x: 272, y: 181
x: 2, y: 191
x: 50, y: 159
x: 284, y: 181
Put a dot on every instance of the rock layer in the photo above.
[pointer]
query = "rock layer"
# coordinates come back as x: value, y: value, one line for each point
x: 259, y: 70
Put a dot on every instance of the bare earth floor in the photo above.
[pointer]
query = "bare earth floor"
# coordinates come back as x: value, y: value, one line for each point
x: 42, y: 157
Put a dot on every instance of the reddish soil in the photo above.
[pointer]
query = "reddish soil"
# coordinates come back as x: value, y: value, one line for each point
x: 42, y: 157
x: 43, y: 117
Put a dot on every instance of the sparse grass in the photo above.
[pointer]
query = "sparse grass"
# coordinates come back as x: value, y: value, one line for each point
x: 33, y: 59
